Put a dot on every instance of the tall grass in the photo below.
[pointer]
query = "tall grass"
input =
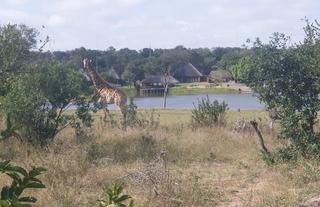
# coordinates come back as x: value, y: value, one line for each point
x: 201, y: 167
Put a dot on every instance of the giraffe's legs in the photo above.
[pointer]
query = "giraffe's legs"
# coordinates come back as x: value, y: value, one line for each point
x: 123, y: 110
x: 106, y: 113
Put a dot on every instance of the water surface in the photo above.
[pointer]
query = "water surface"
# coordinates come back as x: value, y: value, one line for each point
x: 234, y: 101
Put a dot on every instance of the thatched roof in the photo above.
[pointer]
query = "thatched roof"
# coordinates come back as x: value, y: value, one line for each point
x: 187, y: 70
x: 113, y: 73
x: 155, y: 79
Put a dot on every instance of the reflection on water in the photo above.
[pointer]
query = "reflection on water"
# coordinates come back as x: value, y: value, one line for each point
x: 234, y: 101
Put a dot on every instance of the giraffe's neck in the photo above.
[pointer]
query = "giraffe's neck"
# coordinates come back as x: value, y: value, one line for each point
x: 98, y: 82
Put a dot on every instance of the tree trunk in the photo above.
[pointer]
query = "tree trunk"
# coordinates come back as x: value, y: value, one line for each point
x: 165, y: 96
x: 263, y: 146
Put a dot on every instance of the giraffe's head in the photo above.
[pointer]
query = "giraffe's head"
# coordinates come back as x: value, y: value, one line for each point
x: 87, y: 64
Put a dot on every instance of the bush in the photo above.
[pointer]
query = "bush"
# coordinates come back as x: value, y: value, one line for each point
x: 132, y: 118
x: 146, y: 119
x: 37, y: 102
x: 209, y: 114
x: 21, y: 180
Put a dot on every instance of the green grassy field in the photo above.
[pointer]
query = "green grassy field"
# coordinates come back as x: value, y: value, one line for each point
x: 174, y: 116
x: 190, y: 91
x: 185, y: 90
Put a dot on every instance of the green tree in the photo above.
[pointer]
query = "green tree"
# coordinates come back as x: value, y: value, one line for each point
x: 16, y: 41
x: 240, y: 70
x: 38, y: 101
x: 220, y: 76
x: 107, y: 77
x: 230, y: 58
x: 134, y: 71
x: 287, y: 77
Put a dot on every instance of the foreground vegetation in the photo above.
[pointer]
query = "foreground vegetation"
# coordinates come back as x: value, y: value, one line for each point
x: 201, y: 167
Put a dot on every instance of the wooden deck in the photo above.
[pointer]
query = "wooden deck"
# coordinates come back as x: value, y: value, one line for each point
x: 152, y: 91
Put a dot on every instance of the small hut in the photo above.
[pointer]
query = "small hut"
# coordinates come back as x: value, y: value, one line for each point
x: 159, y: 81
x: 188, y: 73
x: 154, y: 85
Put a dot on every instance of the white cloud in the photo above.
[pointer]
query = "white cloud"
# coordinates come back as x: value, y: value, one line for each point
x: 165, y: 23
x: 12, y: 14
x: 127, y: 24
x: 56, y: 20
x: 16, y: 2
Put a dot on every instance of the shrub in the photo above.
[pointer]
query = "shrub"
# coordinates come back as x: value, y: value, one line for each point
x: 145, y: 120
x: 21, y: 180
x: 208, y: 113
x: 134, y: 118
x: 37, y: 102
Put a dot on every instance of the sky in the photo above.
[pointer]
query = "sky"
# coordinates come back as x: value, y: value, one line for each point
x: 136, y: 24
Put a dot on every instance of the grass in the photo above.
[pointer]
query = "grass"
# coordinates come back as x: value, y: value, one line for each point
x: 130, y: 91
x: 190, y: 91
x: 169, y: 117
x: 200, y: 167
x: 186, y: 89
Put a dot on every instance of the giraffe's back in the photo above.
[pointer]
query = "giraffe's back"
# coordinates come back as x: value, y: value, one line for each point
x: 113, y: 96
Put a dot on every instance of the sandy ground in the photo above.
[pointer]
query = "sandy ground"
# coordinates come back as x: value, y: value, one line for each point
x: 231, y: 84
x: 237, y: 86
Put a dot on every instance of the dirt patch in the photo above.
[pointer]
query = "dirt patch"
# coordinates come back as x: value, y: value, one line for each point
x: 236, y: 86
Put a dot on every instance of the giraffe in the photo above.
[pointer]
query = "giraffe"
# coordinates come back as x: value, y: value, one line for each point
x: 108, y: 93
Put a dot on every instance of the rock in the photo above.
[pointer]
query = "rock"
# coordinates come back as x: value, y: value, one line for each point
x: 313, y: 202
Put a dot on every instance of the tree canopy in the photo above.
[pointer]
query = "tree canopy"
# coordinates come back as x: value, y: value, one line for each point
x: 287, y: 78
x: 38, y: 100
x: 135, y: 65
x: 16, y: 42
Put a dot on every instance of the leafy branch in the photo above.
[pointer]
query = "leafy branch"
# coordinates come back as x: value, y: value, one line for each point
x: 21, y: 180
x: 114, y: 197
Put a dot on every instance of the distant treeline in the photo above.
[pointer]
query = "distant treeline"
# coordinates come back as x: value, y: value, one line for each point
x: 135, y: 65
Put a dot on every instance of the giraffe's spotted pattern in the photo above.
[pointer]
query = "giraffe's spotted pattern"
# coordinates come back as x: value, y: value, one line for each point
x: 108, y: 93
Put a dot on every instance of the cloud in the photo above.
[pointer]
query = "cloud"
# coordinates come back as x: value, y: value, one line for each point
x: 16, y: 2
x: 165, y: 23
x: 56, y: 20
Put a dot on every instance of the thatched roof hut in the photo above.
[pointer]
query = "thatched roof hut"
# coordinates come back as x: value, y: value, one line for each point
x: 159, y: 80
x: 188, y: 73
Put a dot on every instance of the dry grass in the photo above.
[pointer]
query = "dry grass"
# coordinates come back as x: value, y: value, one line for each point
x: 203, y: 167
